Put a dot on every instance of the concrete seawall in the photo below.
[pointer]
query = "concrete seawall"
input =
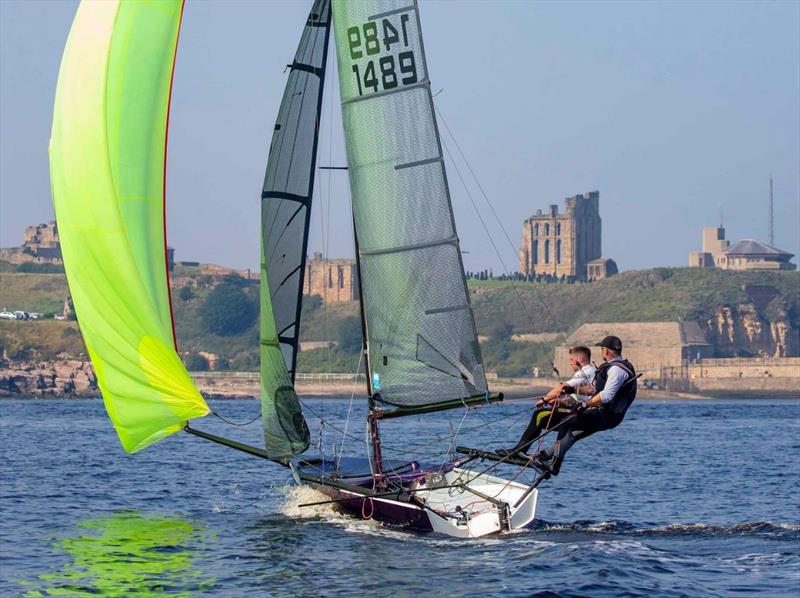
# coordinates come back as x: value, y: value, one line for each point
x: 76, y: 379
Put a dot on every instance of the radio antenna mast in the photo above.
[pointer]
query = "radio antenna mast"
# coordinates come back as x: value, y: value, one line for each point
x: 771, y: 215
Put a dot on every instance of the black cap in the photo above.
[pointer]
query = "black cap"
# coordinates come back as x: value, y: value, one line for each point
x: 611, y: 342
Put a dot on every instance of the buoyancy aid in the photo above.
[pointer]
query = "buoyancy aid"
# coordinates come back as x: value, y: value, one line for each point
x: 626, y: 393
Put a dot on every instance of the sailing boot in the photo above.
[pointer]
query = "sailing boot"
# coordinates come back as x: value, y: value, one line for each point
x: 565, y: 441
x: 545, y: 463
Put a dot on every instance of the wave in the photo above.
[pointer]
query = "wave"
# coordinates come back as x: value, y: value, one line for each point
x: 764, y: 529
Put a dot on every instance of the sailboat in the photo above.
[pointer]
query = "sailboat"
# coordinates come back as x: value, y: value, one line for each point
x: 108, y: 152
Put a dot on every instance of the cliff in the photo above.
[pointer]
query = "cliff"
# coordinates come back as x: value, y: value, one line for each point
x: 61, y: 378
x: 744, y: 330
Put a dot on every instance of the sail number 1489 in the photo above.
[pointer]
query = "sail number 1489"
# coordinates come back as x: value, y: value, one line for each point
x: 384, y: 72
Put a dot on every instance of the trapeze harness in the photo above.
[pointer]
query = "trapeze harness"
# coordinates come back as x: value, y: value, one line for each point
x: 614, y: 411
x: 607, y: 416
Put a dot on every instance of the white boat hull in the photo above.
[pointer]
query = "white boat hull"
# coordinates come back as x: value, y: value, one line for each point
x: 461, y: 504
x: 461, y: 513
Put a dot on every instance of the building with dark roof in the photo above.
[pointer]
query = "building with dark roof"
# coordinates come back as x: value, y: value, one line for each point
x: 747, y: 254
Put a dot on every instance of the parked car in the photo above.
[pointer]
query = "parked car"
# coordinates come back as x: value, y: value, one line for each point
x: 7, y: 315
x: 21, y: 315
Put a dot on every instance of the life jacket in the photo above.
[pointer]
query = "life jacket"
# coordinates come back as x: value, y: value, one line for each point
x: 626, y: 393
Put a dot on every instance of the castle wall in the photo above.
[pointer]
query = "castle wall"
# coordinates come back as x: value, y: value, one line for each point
x: 334, y: 280
x: 562, y: 244
x: 40, y: 245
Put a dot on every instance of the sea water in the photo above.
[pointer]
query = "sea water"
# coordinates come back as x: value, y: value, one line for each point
x: 685, y: 498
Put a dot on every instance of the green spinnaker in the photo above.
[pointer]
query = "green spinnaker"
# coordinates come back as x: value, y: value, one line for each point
x: 107, y: 162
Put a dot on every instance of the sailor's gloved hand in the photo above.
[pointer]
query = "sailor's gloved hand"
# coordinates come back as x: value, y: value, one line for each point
x: 567, y: 402
x: 580, y: 407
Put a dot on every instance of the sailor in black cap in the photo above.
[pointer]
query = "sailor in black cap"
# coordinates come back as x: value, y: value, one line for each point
x: 613, y: 390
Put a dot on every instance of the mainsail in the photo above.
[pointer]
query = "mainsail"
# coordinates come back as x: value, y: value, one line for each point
x: 285, y: 217
x: 107, y: 159
x: 421, y: 339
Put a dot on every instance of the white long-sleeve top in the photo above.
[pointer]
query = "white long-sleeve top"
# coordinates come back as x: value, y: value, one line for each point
x: 616, y: 378
x: 583, y: 376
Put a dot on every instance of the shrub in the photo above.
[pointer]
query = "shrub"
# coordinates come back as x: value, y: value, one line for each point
x: 34, y: 268
x: 227, y: 310
x: 311, y: 303
x: 246, y: 361
x: 186, y: 293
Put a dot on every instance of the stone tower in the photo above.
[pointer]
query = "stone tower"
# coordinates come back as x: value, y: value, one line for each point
x: 562, y: 244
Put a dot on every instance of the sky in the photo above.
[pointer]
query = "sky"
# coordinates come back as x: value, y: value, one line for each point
x: 674, y: 111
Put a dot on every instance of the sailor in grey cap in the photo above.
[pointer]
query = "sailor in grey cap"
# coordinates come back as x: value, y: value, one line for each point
x: 613, y: 390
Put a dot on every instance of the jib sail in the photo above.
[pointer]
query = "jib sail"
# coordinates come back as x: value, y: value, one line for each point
x: 285, y: 216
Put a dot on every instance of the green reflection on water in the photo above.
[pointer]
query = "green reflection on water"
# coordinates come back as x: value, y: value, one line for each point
x: 130, y: 554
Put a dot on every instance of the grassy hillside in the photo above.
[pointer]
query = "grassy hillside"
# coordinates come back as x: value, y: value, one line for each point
x: 40, y: 339
x: 44, y: 293
x: 502, y: 308
x: 660, y: 294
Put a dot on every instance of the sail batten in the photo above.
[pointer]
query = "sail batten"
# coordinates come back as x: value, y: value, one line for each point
x: 285, y: 219
x: 421, y: 339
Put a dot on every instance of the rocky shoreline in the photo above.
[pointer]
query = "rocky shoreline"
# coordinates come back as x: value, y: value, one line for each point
x: 52, y: 379
x: 71, y: 378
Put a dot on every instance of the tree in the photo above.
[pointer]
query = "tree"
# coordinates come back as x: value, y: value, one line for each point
x: 227, y: 310
x: 186, y: 293
x: 195, y: 362
x: 348, y: 334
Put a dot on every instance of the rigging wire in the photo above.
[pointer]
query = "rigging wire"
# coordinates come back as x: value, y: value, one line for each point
x: 408, y: 447
x: 502, y: 227
x: 325, y: 218
x: 233, y: 423
x: 349, y: 409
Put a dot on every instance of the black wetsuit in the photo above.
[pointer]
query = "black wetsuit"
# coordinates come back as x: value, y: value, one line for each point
x: 595, y: 419
x: 542, y: 419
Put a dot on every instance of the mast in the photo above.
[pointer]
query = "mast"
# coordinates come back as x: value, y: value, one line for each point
x: 373, y: 416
